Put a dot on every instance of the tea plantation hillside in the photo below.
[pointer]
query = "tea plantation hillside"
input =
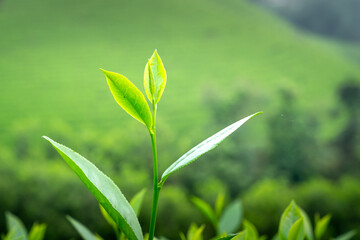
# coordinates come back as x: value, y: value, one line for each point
x: 51, y: 52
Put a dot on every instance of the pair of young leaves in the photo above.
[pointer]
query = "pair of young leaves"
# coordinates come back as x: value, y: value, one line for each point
x: 133, y: 101
x: 17, y: 230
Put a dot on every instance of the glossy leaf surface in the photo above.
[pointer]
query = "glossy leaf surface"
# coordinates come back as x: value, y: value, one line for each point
x: 231, y: 218
x: 155, y: 79
x: 204, y: 147
x: 104, y: 190
x: 15, y: 227
x: 291, y: 214
x: 297, y: 230
x: 129, y: 97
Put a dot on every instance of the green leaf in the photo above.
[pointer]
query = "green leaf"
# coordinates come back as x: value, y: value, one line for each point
x: 195, y: 232
x: 243, y: 235
x: 104, y: 190
x: 307, y: 225
x: 231, y: 236
x: 346, y: 236
x: 129, y: 97
x: 252, y: 233
x: 137, y: 201
x: 291, y: 214
x: 206, y: 209
x: 297, y: 230
x: 154, y: 78
x: 15, y: 227
x: 231, y: 218
x: 219, y: 204
x: 204, y: 147
x: 84, y: 232
x: 109, y: 220
x: 321, y: 226
x: 37, y: 232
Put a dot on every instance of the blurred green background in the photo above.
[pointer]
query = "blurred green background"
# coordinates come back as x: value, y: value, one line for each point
x: 224, y: 60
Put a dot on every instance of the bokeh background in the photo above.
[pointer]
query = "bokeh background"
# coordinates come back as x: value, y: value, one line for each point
x: 296, y: 60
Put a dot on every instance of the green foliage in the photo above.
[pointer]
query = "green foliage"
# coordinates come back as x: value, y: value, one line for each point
x: 321, y: 225
x: 15, y: 227
x: 117, y: 208
x: 204, y: 147
x: 85, y: 233
x: 224, y: 222
x: 129, y: 97
x: 104, y: 190
x: 231, y: 218
x: 17, y: 230
x: 154, y: 78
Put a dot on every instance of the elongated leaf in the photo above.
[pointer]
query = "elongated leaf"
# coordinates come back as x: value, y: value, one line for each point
x: 231, y: 218
x: 252, y: 233
x: 15, y: 227
x: 129, y: 97
x: 84, y: 232
x: 204, y: 147
x: 37, y: 232
x: 307, y: 225
x: 104, y: 190
x: 154, y: 81
x: 297, y: 230
x: 291, y: 214
x: 346, y: 236
x: 219, y: 204
x: 205, y: 208
x: 109, y: 219
x: 321, y: 226
x: 137, y: 201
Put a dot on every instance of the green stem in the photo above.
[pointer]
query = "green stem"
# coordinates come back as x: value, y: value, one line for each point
x: 156, y: 190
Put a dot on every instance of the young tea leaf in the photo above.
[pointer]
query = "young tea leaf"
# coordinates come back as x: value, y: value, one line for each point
x: 137, y: 201
x: 204, y: 147
x: 346, y: 236
x: 104, y: 190
x: 109, y: 220
x: 84, y: 232
x: 291, y: 214
x: 231, y: 218
x: 243, y: 235
x: 129, y: 97
x: 155, y: 79
x: 205, y: 208
x: 15, y: 227
x: 252, y: 233
x: 37, y: 232
x: 297, y: 230
x: 219, y: 204
x: 321, y: 226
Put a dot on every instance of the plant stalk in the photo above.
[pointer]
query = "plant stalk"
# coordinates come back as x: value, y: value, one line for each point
x: 156, y: 189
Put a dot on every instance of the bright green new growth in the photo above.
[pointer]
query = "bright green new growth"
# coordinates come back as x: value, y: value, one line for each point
x: 129, y: 97
x: 115, y: 208
x: 154, y: 78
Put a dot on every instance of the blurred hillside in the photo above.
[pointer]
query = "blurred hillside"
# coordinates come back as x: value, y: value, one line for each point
x: 224, y: 60
x: 337, y: 19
